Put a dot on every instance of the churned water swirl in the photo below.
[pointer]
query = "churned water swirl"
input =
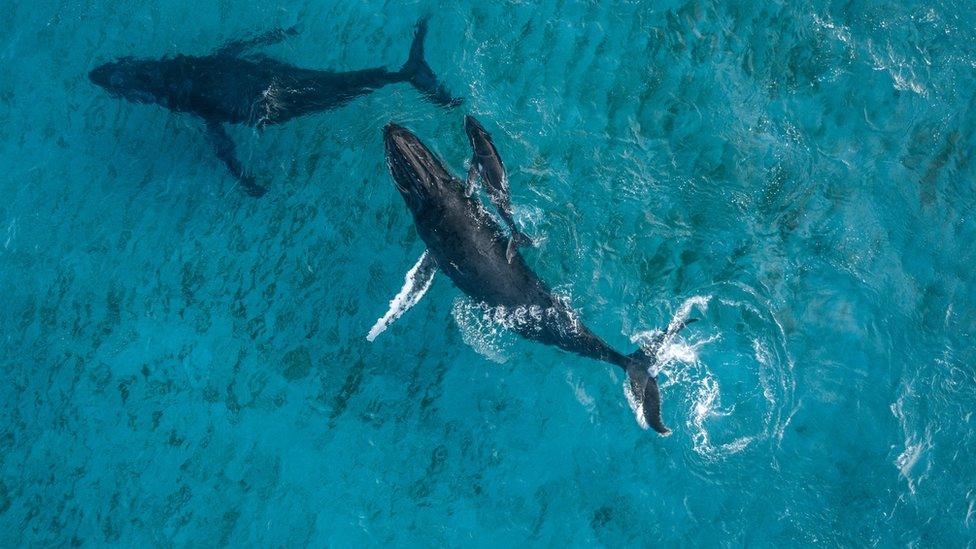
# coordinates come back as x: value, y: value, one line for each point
x: 733, y: 372
x: 731, y: 378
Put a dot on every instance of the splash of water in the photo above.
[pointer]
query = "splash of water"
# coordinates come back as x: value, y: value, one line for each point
x: 725, y: 417
x: 481, y: 331
x: 491, y: 330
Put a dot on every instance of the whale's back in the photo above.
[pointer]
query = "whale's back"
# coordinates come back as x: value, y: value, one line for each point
x: 470, y: 246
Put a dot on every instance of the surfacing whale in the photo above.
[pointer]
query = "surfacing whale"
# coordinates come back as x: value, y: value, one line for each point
x: 232, y: 86
x: 466, y: 243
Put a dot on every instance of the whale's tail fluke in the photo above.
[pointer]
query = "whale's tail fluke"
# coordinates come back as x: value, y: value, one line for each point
x: 418, y: 72
x: 644, y: 396
x: 642, y: 390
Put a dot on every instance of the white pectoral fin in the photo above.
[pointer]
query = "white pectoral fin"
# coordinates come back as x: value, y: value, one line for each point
x: 415, y: 285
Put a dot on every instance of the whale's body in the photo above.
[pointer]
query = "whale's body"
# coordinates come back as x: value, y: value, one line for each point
x: 255, y: 90
x: 466, y: 243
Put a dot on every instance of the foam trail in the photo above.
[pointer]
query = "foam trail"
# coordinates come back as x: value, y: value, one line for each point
x: 483, y: 328
x: 415, y: 285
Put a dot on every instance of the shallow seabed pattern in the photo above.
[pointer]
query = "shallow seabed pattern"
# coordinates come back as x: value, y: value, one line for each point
x: 184, y: 363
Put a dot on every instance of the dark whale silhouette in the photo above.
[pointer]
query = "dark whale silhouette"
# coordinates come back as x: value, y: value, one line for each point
x: 466, y: 243
x: 486, y: 162
x: 231, y: 86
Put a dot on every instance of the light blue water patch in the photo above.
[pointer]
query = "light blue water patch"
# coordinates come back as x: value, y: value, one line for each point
x: 183, y: 364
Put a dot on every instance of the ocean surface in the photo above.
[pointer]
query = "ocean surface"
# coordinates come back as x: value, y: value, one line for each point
x: 183, y: 365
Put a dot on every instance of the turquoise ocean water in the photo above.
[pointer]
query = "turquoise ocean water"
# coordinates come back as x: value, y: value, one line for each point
x: 184, y: 365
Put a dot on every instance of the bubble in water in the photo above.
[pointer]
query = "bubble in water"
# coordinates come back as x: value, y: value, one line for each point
x: 582, y: 396
x: 490, y: 331
x: 530, y: 218
x: 481, y: 331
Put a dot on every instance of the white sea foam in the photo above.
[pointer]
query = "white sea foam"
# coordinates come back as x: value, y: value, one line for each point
x: 673, y: 349
x: 490, y: 330
x: 635, y: 406
x: 582, y: 396
x: 481, y: 330
x: 971, y: 509
x: 529, y: 218
x: 11, y: 232
x: 708, y: 403
x: 916, y: 445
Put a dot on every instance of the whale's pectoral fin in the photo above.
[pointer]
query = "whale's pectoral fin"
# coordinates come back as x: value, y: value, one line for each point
x: 472, y: 183
x: 517, y: 239
x: 237, y: 47
x: 415, y: 285
x: 224, y: 147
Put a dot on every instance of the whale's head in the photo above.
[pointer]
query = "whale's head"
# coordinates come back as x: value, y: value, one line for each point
x: 477, y: 136
x: 133, y: 79
x: 418, y: 174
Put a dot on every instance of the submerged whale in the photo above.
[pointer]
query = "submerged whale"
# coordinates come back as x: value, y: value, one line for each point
x: 232, y: 86
x: 469, y: 246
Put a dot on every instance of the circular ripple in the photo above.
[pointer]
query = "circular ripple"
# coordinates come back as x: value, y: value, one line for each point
x: 731, y: 378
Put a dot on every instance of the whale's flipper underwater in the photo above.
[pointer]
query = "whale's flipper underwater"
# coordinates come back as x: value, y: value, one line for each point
x: 269, y: 38
x: 466, y: 243
x: 235, y: 86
